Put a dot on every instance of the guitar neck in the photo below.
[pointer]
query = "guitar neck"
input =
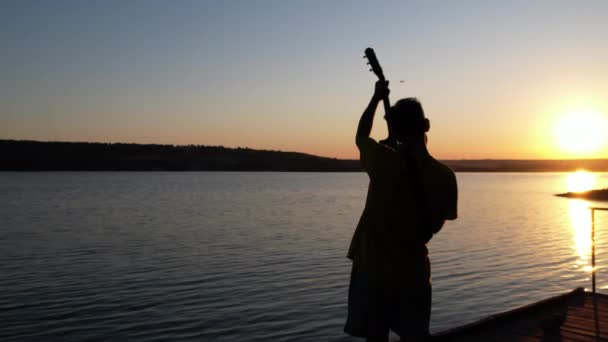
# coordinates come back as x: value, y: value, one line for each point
x: 375, y: 67
x: 387, y: 108
x: 385, y: 100
x: 387, y: 105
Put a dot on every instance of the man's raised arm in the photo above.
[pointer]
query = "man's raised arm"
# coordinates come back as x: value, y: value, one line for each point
x: 367, y: 118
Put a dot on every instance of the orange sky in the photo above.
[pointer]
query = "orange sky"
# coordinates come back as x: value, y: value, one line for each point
x: 497, y: 80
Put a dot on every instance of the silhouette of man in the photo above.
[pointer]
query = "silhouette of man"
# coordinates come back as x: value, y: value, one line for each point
x: 409, y: 198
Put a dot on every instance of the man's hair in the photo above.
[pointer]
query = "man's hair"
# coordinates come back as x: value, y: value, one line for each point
x: 407, y: 116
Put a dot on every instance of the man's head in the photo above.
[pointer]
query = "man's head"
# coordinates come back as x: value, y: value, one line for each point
x: 407, y: 119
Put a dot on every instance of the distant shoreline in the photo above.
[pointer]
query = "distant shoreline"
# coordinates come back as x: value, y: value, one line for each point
x: 597, y: 194
x: 4, y: 170
x: 27, y: 155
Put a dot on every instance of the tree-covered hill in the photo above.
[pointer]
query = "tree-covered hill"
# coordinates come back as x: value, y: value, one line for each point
x: 34, y: 155
x: 23, y: 155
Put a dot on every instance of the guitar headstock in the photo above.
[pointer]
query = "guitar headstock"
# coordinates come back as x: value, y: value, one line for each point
x: 373, y: 63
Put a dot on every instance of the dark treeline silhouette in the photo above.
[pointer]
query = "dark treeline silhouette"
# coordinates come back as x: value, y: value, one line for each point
x: 21, y: 155
x: 34, y: 155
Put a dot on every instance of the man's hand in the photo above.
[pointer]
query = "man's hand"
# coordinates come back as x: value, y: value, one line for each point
x: 381, y: 90
x: 390, y: 142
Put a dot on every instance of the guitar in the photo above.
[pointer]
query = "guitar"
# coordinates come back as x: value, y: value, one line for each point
x: 377, y: 69
x: 415, y: 178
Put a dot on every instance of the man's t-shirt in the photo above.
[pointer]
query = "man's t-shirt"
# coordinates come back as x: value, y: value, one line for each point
x: 390, y: 227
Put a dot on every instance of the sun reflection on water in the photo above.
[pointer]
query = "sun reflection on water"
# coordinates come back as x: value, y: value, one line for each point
x: 580, y: 220
x: 580, y: 181
x: 580, y: 217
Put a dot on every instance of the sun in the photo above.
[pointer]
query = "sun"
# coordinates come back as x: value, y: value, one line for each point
x: 581, y: 133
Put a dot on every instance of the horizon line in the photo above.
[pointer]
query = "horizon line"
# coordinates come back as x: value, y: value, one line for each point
x: 283, y: 151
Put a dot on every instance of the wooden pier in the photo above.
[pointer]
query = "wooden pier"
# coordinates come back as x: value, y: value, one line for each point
x: 575, y: 316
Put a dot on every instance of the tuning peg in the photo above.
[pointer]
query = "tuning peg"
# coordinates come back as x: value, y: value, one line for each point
x: 364, y: 56
x: 371, y: 69
x: 367, y: 63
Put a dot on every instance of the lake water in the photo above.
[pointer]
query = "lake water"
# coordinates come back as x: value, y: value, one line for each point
x: 261, y: 256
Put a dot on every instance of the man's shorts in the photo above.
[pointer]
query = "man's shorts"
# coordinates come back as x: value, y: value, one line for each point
x: 400, y: 301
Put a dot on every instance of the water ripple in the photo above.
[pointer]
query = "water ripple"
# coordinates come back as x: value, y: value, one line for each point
x: 254, y: 256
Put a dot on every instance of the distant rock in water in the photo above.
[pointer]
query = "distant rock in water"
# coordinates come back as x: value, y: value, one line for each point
x: 598, y: 195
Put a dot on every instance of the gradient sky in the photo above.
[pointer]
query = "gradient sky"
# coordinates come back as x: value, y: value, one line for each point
x: 494, y: 77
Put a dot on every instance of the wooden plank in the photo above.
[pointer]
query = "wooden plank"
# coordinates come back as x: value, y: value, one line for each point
x: 560, y: 300
x: 560, y: 335
x: 502, y: 337
x: 602, y: 303
x: 526, y: 323
x: 574, y: 337
x: 581, y: 331
x: 586, y: 322
x: 588, y: 313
